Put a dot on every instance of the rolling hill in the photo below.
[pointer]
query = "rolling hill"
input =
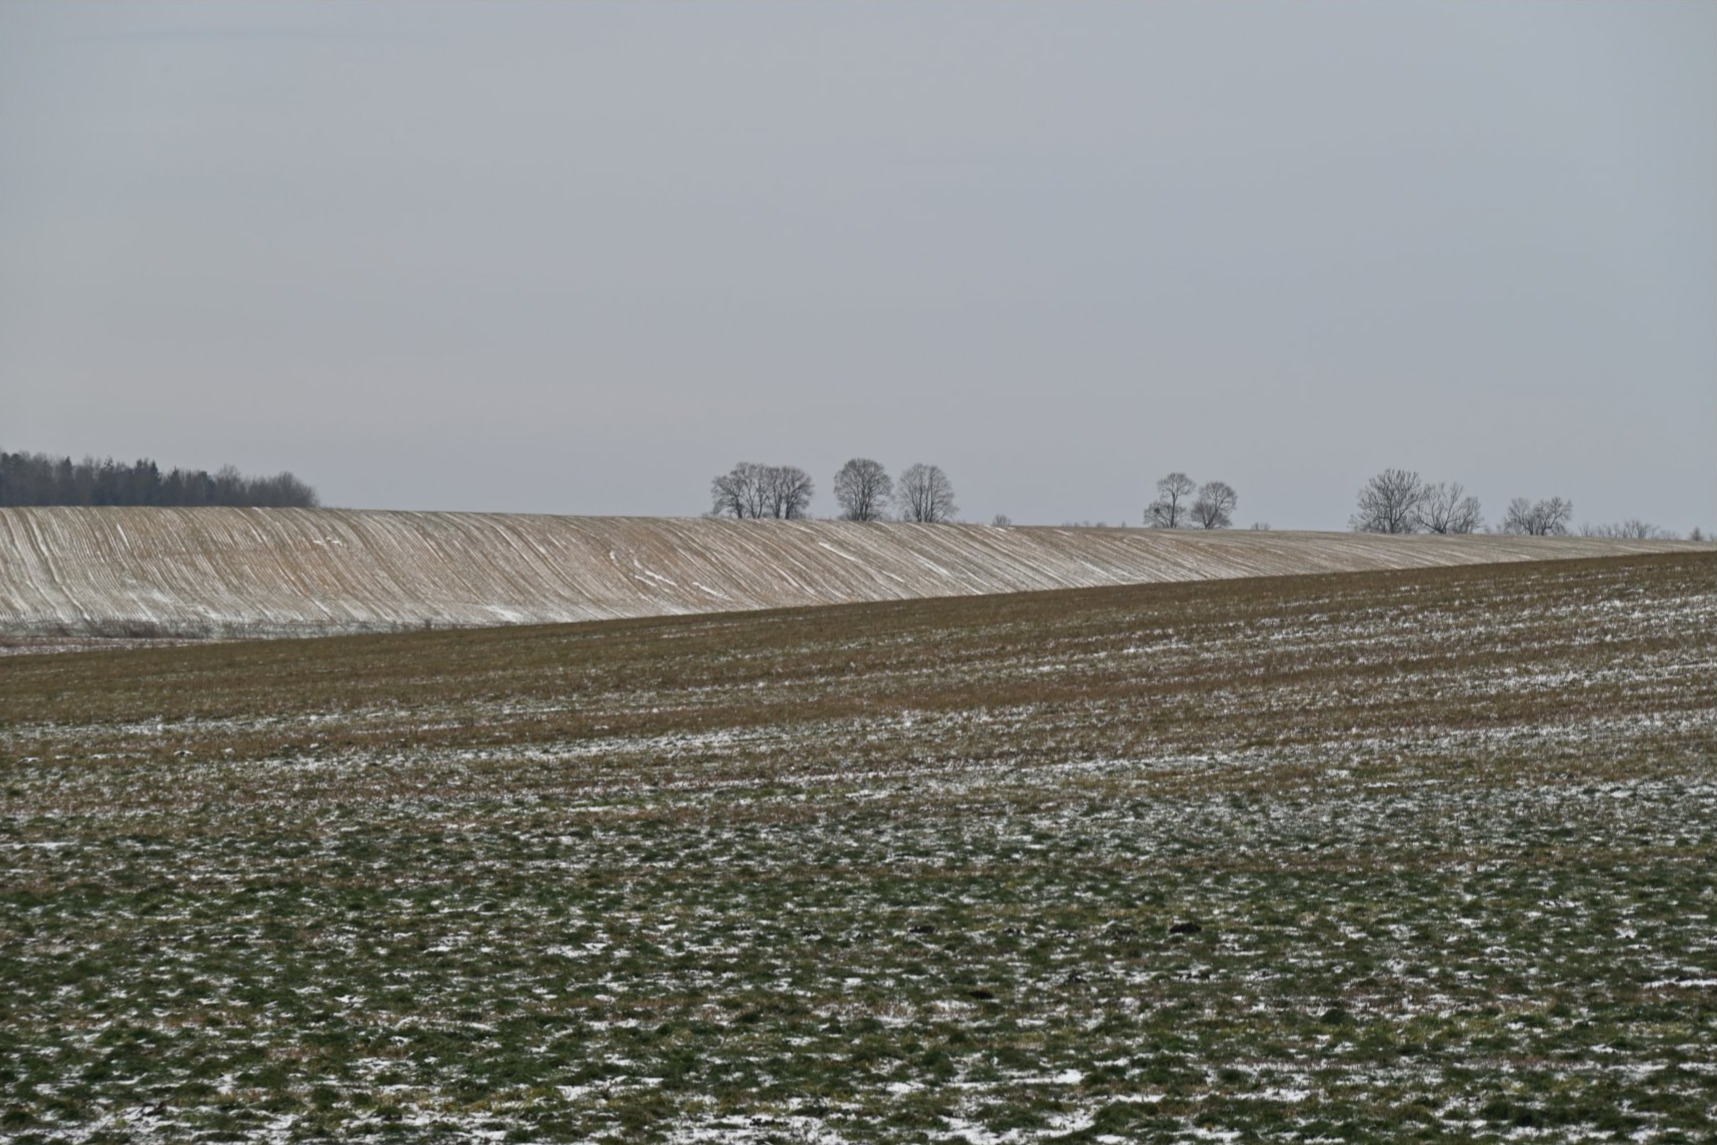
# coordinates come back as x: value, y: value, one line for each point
x: 217, y: 572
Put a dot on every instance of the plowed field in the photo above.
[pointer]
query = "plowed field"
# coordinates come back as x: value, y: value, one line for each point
x: 200, y: 573
x: 1417, y: 855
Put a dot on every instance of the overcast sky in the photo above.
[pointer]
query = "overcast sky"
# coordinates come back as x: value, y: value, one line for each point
x: 579, y: 258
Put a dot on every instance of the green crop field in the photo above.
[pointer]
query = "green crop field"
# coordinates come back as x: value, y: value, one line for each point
x: 1425, y: 855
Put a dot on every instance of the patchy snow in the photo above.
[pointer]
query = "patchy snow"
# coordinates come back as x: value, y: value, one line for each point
x: 1398, y: 900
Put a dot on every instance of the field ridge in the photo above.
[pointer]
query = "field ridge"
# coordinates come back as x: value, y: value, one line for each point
x: 226, y: 572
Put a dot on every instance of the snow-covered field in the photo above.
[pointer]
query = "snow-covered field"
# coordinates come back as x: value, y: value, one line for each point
x: 1420, y: 855
x: 140, y: 574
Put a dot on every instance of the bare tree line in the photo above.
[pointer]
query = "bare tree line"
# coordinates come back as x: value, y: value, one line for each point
x: 1394, y: 501
x: 1182, y: 503
x: 1398, y: 501
x: 1634, y: 529
x: 38, y: 479
x: 1546, y: 518
x: 753, y: 491
x: 863, y: 490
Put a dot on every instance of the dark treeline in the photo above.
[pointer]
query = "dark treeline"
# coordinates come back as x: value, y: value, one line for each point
x: 37, y: 479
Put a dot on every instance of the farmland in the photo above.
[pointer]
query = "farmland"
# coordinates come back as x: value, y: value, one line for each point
x: 1415, y: 854
x: 70, y: 575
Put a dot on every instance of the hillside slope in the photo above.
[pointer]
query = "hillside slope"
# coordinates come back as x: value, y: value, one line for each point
x: 275, y: 572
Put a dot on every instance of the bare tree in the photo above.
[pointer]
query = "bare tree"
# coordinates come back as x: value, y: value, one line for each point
x: 787, y: 491
x: 924, y: 494
x: 863, y: 490
x: 1003, y: 521
x: 1553, y: 516
x: 1517, y: 518
x: 1446, y: 508
x: 1389, y: 503
x: 739, y: 493
x: 1548, y: 518
x: 1169, y: 510
x: 1214, y: 508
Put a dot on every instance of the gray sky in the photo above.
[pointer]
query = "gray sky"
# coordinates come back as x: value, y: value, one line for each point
x: 580, y: 258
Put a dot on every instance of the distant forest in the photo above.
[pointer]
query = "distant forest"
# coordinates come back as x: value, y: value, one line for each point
x: 37, y: 479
